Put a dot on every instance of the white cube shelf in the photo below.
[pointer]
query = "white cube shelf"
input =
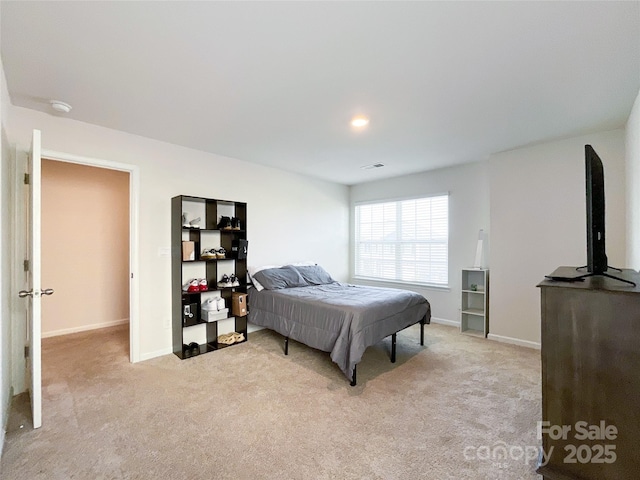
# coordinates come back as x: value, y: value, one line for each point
x: 474, y: 312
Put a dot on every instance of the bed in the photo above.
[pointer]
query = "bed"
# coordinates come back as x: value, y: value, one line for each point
x: 304, y: 303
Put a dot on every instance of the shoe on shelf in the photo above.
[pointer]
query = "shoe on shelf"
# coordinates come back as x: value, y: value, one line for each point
x: 233, y: 280
x: 221, y: 253
x: 195, y: 223
x: 195, y: 348
x: 213, y: 304
x: 225, y: 223
x: 224, y: 282
x: 192, y: 285
x: 226, y: 338
x: 203, y: 285
x: 210, y: 305
x: 209, y: 254
x: 185, y: 221
x: 238, y: 337
x: 235, y: 223
x: 221, y: 305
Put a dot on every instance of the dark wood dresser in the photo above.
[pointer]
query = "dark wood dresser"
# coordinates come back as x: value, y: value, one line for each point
x: 590, y: 377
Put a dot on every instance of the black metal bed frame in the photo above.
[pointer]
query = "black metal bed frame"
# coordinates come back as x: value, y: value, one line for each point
x: 423, y: 321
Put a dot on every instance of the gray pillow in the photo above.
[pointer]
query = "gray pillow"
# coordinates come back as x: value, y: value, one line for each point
x: 277, y: 278
x: 314, y: 274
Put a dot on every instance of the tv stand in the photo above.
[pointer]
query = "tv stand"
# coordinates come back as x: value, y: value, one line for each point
x: 590, y: 332
x: 603, y: 274
x: 568, y: 274
x: 609, y: 267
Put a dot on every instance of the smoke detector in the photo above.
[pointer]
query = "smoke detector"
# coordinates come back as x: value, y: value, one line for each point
x: 60, y: 107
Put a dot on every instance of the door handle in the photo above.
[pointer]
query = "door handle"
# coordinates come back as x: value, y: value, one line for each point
x: 30, y: 293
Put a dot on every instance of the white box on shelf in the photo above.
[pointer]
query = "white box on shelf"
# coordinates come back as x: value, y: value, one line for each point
x: 214, y: 315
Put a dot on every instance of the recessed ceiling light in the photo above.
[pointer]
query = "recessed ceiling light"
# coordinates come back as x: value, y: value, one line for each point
x: 360, y: 121
x: 59, y: 106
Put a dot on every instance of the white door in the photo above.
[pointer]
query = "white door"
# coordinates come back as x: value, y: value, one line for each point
x: 33, y: 293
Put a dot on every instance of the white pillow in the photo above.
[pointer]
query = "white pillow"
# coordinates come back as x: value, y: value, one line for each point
x: 253, y: 270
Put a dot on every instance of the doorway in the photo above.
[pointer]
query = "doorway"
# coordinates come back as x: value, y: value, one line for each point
x: 85, y: 247
x: 109, y: 302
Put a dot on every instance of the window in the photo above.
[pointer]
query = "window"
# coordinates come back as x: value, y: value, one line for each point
x: 404, y: 241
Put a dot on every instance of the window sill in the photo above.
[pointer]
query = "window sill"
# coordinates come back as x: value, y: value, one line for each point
x: 440, y: 288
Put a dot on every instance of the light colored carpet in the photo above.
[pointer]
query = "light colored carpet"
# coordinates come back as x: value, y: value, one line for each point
x: 249, y: 412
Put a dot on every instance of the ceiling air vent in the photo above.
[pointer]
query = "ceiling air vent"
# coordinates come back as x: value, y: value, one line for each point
x: 373, y: 165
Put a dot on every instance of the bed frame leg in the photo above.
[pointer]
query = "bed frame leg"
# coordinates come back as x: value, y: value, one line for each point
x: 422, y: 322
x: 353, y: 379
x: 286, y: 345
x: 393, y: 348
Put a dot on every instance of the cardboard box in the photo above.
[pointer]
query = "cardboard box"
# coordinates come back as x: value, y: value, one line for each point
x: 238, y: 304
x: 214, y: 315
x: 188, y: 251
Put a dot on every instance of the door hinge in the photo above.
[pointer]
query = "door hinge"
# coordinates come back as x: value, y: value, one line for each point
x: 26, y: 179
x: 26, y: 351
x: 26, y: 265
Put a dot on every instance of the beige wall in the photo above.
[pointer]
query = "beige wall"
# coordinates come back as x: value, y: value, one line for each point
x: 85, y: 247
x: 538, y: 223
x: 632, y: 150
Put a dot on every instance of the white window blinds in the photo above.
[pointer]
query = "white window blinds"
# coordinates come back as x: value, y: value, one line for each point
x: 403, y: 241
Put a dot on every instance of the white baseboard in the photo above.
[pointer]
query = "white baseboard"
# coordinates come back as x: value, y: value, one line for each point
x: 444, y: 321
x: 491, y: 336
x: 514, y: 341
x: 157, y: 353
x: 83, y: 328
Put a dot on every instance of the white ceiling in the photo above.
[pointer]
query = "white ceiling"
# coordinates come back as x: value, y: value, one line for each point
x: 277, y: 82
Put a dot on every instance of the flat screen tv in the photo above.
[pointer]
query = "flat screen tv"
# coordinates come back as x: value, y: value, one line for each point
x: 596, y: 251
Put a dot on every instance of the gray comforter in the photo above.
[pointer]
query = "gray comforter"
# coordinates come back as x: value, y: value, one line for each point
x: 339, y: 318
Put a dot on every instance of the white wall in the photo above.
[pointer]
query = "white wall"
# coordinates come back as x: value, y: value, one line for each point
x: 290, y: 217
x: 468, y: 213
x: 538, y: 222
x: 632, y: 143
x: 5, y: 261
